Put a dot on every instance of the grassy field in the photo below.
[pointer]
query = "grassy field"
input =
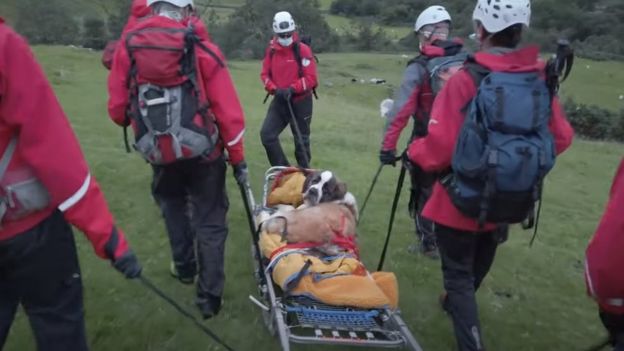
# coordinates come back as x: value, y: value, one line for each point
x: 533, y: 299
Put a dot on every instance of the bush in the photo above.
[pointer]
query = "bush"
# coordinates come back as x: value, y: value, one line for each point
x: 365, y: 38
x: 46, y: 22
x: 117, y: 21
x: 95, y: 36
x: 594, y: 122
x: 247, y: 32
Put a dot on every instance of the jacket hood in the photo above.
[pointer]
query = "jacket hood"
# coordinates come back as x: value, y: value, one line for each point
x: 139, y: 9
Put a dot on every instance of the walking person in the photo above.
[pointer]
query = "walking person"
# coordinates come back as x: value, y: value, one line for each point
x: 172, y: 86
x: 289, y: 74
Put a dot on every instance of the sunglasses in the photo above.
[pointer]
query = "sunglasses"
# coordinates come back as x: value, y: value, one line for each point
x: 440, y: 32
x: 285, y: 35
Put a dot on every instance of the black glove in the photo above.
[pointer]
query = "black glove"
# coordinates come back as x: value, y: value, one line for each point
x: 240, y: 172
x: 387, y: 157
x: 128, y: 265
x: 284, y: 94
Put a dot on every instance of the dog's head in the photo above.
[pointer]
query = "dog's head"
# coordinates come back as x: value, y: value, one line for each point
x: 322, y: 187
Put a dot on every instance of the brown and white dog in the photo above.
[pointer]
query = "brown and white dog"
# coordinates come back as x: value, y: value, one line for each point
x: 328, y: 210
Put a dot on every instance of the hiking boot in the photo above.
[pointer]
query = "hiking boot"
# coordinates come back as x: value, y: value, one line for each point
x: 186, y: 279
x: 209, y: 307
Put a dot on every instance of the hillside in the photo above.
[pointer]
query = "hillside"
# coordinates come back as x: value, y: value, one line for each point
x: 533, y: 297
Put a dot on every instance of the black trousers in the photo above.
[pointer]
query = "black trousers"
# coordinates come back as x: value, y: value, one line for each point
x: 194, y: 203
x: 277, y: 119
x: 419, y: 194
x: 39, y: 270
x: 615, y: 325
x: 466, y: 259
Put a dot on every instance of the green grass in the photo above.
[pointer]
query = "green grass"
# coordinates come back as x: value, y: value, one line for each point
x: 547, y: 308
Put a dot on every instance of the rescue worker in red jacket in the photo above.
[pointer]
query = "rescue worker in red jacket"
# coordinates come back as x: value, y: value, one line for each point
x: 189, y: 188
x: 138, y: 11
x: 604, y: 262
x: 413, y: 101
x: 289, y: 74
x: 45, y: 186
x: 467, y: 248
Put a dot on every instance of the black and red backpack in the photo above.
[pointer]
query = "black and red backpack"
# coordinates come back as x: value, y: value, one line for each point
x: 170, y: 117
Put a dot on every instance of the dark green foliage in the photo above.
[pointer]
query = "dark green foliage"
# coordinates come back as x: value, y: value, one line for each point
x: 248, y: 31
x: 595, y: 27
x: 47, y: 22
x: 95, y: 35
x: 595, y: 122
x: 118, y: 19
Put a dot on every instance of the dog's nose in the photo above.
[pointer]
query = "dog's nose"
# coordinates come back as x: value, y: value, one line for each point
x: 312, y: 194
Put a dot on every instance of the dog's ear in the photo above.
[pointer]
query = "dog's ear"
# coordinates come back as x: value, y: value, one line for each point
x: 340, y: 190
x: 308, y: 181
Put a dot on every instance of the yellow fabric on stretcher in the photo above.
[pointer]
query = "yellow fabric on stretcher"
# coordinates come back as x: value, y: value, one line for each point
x: 343, y: 281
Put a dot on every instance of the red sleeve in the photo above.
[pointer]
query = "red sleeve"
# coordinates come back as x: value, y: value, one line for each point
x: 309, y: 80
x: 118, y: 84
x: 224, y: 103
x: 48, y: 145
x: 560, y: 127
x: 603, y: 274
x: 435, y: 151
x: 400, y: 121
x: 265, y: 75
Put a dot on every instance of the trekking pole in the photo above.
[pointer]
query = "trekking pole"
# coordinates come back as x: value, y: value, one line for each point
x: 539, y: 210
x: 370, y: 191
x: 299, y: 137
x: 248, y: 201
x: 150, y: 286
x: 395, y: 204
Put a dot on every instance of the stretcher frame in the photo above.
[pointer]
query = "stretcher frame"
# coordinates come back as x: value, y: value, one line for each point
x: 301, y: 320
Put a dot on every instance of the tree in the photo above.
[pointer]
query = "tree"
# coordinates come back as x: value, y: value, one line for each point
x: 117, y: 19
x: 94, y: 33
x: 47, y: 22
x: 248, y: 31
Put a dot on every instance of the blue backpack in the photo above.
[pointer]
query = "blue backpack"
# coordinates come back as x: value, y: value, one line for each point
x: 504, y: 149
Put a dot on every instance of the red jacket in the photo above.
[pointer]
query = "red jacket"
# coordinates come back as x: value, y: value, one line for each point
x: 48, y: 147
x: 605, y: 258
x: 216, y: 87
x: 414, y: 98
x: 434, y: 152
x: 281, y: 71
x: 138, y: 11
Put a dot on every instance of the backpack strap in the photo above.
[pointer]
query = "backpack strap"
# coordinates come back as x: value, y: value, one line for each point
x: 420, y: 59
x: 4, y: 165
x: 297, y: 52
x: 7, y: 156
x: 477, y: 72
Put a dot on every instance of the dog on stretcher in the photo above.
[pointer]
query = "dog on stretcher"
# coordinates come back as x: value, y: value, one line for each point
x: 328, y: 210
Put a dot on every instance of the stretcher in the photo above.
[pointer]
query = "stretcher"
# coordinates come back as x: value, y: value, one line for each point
x: 302, y: 319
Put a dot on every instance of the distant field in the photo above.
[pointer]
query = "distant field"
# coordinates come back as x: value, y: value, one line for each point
x: 533, y: 300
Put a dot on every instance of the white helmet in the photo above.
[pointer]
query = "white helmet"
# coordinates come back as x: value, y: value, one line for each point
x: 178, y: 3
x: 496, y: 15
x: 431, y: 15
x: 283, y: 23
